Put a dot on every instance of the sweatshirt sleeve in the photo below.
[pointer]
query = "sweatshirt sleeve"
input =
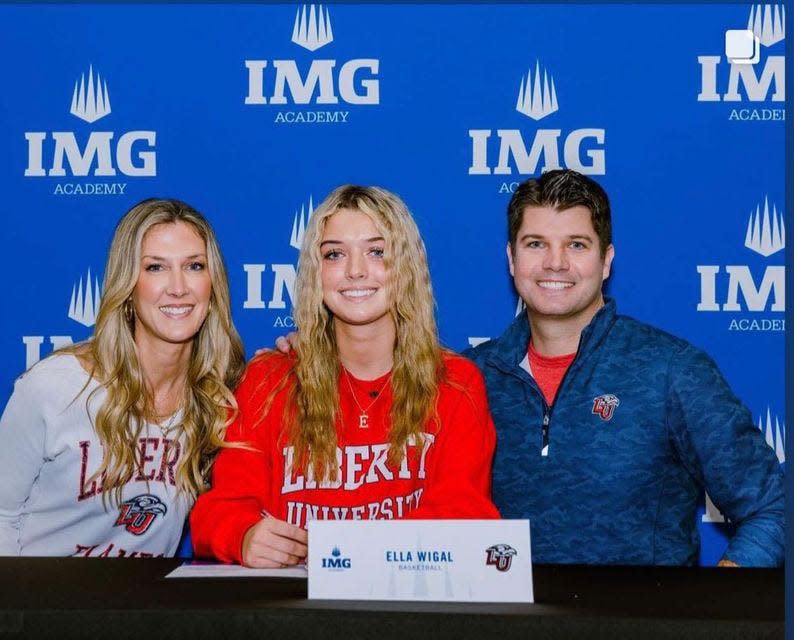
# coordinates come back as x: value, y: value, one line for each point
x: 23, y: 431
x: 714, y: 434
x: 458, y: 466
x: 234, y: 502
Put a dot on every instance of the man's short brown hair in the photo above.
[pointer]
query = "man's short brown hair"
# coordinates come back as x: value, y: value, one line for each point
x: 561, y: 189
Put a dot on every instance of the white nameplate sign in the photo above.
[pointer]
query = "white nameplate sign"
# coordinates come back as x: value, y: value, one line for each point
x: 438, y: 560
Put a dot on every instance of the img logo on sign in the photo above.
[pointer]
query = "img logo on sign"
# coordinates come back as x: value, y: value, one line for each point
x: 83, y: 308
x: 755, y: 298
x: 283, y: 274
x: 313, y: 90
x: 336, y: 562
x: 90, y: 161
x: 532, y: 151
x: 752, y: 91
x: 774, y: 429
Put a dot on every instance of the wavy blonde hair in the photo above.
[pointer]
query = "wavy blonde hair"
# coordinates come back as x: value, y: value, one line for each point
x: 216, y: 361
x: 418, y: 366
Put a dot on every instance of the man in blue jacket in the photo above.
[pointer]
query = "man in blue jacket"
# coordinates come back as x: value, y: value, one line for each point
x: 609, y: 429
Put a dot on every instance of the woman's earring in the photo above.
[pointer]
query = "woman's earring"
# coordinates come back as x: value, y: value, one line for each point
x: 129, y: 313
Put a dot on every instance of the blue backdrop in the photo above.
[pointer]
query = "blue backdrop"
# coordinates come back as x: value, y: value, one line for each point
x: 253, y: 113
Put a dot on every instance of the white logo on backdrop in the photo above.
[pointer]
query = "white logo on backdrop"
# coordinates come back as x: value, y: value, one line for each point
x: 85, y: 301
x: 102, y: 156
x: 299, y: 224
x: 742, y: 85
x: 775, y: 433
x: 313, y: 31
x: 533, y: 149
x: 83, y: 308
x: 283, y: 274
x: 768, y: 24
x: 537, y: 100
x: 90, y: 101
x: 744, y: 289
x: 762, y: 237
x: 327, y: 83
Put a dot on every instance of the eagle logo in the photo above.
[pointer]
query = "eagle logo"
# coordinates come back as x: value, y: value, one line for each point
x: 500, y: 556
x: 138, y: 513
x: 604, y: 405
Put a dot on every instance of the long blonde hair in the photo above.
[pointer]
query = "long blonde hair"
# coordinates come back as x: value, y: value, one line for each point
x: 216, y: 360
x: 418, y: 366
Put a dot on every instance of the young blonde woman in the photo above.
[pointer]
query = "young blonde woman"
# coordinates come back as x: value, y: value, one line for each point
x: 369, y: 418
x: 107, y: 443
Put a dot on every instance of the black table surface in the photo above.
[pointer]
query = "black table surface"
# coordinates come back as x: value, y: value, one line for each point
x: 131, y: 598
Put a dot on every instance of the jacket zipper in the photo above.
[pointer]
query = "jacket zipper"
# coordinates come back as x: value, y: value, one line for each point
x: 547, y: 409
x: 546, y: 424
x: 544, y: 450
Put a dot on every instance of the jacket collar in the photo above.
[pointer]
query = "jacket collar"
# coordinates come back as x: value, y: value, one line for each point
x: 511, y: 346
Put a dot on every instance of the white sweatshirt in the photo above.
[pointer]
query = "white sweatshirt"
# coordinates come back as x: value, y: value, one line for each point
x: 49, y: 450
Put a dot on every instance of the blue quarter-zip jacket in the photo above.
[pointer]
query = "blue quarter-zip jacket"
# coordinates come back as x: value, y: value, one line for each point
x: 622, y: 486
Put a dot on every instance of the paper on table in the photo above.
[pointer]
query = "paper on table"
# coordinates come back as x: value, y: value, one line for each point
x: 194, y: 569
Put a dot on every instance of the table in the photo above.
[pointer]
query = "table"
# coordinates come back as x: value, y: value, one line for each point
x: 131, y: 598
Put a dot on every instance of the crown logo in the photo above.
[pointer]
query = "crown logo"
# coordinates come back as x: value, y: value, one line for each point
x: 299, y: 225
x: 536, y: 100
x: 314, y: 32
x: 762, y: 237
x: 775, y: 434
x: 768, y: 25
x: 84, y: 306
x: 90, y: 102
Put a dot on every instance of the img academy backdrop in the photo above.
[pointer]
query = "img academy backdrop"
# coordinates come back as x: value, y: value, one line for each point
x: 253, y: 113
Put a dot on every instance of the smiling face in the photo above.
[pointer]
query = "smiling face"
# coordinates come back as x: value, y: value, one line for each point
x: 557, y: 265
x: 354, y: 276
x: 172, y: 294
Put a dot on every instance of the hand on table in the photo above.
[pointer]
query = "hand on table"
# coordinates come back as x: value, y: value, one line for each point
x: 273, y: 543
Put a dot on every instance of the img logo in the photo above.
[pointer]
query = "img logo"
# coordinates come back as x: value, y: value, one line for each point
x: 336, y: 562
x: 89, y: 103
x: 751, y: 84
x: 138, y: 514
x: 83, y: 308
x: 762, y: 292
x: 604, y: 406
x: 513, y: 151
x: 500, y: 556
x: 774, y: 431
x: 534, y: 100
x: 103, y: 154
x: 325, y: 81
x: 314, y: 31
x: 762, y: 238
x: 283, y: 274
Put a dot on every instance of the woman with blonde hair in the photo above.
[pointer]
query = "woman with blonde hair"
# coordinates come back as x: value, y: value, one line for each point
x: 369, y: 418
x: 107, y: 443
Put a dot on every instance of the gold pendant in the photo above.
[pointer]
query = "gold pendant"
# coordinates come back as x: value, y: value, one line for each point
x: 362, y: 421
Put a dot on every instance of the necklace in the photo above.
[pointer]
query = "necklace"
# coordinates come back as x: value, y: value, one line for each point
x: 363, y: 417
x: 168, y: 426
